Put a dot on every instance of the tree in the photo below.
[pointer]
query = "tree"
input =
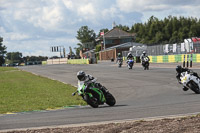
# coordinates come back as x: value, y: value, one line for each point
x: 84, y: 34
x: 169, y: 30
x: 14, y: 57
x: 70, y: 51
x: 2, y: 52
x: 34, y: 58
x: 102, y: 30
x: 80, y: 47
x: 124, y: 28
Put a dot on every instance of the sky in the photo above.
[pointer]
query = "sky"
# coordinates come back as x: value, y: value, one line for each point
x: 33, y: 26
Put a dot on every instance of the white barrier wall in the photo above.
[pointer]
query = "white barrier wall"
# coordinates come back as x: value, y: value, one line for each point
x: 57, y: 61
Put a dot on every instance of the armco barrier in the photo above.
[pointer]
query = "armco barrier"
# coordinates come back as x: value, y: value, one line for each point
x: 78, y: 61
x: 175, y: 58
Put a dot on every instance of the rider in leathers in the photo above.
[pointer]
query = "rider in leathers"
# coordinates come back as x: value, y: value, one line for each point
x: 179, y: 70
x: 88, y: 79
x: 129, y: 56
x: 119, y: 57
x: 142, y: 57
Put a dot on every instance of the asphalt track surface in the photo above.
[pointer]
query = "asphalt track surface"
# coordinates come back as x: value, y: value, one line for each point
x: 139, y: 94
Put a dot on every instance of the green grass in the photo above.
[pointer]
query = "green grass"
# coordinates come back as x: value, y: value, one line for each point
x: 22, y: 91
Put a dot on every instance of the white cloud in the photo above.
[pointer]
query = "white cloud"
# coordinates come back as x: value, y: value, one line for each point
x: 32, y: 26
x: 69, y: 4
x: 17, y: 36
x: 160, y: 8
x: 153, y: 5
x: 110, y: 12
x: 86, y: 10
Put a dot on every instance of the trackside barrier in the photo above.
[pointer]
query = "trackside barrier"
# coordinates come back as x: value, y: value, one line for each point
x: 70, y: 61
x: 187, y: 59
x: 78, y: 61
x: 44, y: 62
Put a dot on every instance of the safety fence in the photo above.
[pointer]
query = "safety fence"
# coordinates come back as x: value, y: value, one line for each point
x: 78, y: 61
x: 70, y: 61
x: 175, y: 58
x: 187, y: 47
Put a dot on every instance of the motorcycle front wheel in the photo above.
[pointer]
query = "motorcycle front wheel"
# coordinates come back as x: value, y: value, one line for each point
x: 194, y: 87
x: 110, y: 100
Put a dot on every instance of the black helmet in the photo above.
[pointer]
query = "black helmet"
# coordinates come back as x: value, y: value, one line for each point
x: 81, y: 75
x: 179, y: 69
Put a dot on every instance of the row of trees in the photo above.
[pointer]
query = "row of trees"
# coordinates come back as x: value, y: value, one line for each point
x: 154, y: 31
x: 16, y: 57
x: 169, y: 30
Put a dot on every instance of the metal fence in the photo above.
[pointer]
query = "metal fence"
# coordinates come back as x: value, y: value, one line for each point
x: 171, y: 49
x: 166, y: 49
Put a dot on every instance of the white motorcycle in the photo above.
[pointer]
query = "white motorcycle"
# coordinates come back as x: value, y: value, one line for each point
x: 190, y: 80
x: 145, y: 63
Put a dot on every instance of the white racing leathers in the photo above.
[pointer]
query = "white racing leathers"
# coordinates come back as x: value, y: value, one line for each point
x: 190, y: 80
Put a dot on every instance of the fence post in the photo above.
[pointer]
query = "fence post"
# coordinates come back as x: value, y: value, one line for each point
x: 184, y: 61
x: 187, y: 60
x: 191, y: 61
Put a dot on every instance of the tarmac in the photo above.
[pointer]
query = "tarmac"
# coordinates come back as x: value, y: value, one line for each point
x: 173, y: 65
x: 164, y: 65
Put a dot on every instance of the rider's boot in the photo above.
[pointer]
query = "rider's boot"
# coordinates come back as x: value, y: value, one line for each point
x: 185, y: 88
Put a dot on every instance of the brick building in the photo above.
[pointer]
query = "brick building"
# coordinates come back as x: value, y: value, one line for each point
x: 115, y: 42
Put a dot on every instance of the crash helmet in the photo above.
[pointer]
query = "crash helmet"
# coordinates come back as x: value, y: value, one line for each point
x: 179, y: 69
x: 119, y: 54
x: 144, y: 53
x: 81, y: 75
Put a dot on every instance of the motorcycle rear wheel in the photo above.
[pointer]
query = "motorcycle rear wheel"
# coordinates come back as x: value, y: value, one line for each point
x: 91, y: 101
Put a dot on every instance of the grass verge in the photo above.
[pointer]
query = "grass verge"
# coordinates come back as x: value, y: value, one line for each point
x: 22, y: 91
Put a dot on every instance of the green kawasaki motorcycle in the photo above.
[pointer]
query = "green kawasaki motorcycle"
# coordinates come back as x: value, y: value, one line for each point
x: 93, y: 95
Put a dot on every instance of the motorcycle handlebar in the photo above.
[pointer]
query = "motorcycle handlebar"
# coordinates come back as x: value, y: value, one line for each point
x: 73, y: 94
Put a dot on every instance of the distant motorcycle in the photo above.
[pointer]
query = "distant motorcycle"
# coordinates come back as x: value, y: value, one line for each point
x: 190, y: 80
x: 120, y: 62
x: 145, y: 63
x: 130, y: 63
x: 96, y: 97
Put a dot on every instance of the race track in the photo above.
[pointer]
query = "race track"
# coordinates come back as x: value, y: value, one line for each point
x: 139, y: 94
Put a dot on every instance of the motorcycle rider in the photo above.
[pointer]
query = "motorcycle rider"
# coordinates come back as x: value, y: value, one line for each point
x: 87, y: 80
x: 179, y: 70
x: 142, y: 58
x: 119, y: 57
x: 129, y: 56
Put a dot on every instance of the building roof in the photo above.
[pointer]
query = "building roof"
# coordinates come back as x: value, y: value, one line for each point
x: 125, y: 45
x: 116, y: 33
x: 89, y: 51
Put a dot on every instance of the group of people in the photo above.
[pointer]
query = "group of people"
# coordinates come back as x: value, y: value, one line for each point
x: 144, y: 58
